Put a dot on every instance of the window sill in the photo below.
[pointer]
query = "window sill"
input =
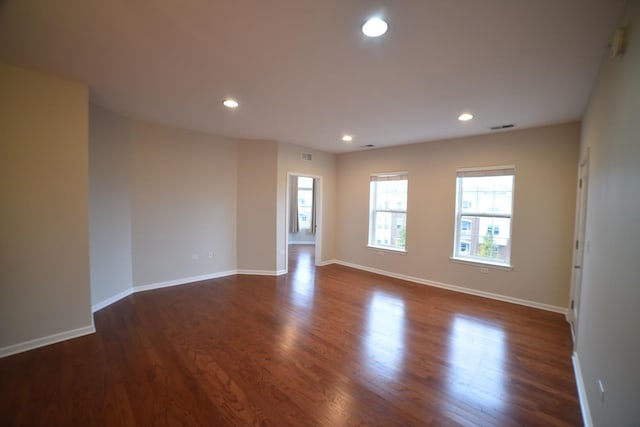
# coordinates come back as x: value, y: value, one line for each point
x: 386, y: 249
x: 506, y: 267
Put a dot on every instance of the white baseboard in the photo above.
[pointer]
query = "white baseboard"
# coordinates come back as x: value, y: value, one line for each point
x: 582, y: 392
x: 302, y: 243
x: 455, y: 288
x: 51, y: 339
x: 261, y: 272
x: 327, y: 262
x: 183, y: 281
x: 102, y: 304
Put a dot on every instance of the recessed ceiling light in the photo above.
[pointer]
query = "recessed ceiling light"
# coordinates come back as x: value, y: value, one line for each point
x: 347, y: 138
x: 465, y: 117
x: 230, y: 103
x: 374, y: 27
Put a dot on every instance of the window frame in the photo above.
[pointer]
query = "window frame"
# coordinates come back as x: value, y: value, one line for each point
x: 458, y: 256
x: 371, y: 240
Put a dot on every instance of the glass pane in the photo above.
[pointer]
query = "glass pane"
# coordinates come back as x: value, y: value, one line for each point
x: 390, y: 230
x: 391, y: 194
x: 486, y: 194
x: 485, y: 238
x: 305, y: 182
x: 305, y: 199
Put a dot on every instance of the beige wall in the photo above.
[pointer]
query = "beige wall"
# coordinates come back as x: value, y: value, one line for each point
x: 545, y: 185
x: 109, y: 204
x: 44, y: 261
x: 608, y: 346
x: 183, y: 204
x: 322, y: 165
x: 256, y: 232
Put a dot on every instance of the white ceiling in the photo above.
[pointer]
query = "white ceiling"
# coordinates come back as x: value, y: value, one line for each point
x: 304, y: 73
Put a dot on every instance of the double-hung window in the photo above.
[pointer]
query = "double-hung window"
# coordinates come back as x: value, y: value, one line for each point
x: 388, y: 211
x: 484, y: 209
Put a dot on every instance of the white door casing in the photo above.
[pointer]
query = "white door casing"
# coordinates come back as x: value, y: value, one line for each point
x: 580, y: 244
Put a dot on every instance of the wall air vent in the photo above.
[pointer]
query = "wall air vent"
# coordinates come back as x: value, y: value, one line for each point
x: 307, y: 156
x: 500, y: 127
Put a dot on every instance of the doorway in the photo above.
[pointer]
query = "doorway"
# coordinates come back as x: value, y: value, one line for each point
x: 579, y: 245
x: 304, y: 213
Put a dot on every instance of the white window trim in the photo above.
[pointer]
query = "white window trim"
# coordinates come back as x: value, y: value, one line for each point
x: 481, y: 263
x: 386, y: 176
x: 387, y: 249
x: 482, y: 171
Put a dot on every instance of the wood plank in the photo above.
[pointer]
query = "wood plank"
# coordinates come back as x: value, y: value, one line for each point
x: 331, y: 346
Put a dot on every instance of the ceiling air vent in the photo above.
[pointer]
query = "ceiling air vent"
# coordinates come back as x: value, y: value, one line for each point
x: 307, y: 156
x: 367, y: 146
x: 501, y: 127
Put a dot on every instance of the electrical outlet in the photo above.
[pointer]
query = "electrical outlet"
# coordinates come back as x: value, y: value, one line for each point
x: 210, y: 254
x: 484, y: 270
x: 194, y: 257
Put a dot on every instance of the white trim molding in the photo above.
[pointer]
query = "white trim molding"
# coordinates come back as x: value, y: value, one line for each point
x: 48, y: 340
x: 104, y: 303
x: 183, y: 281
x: 327, y: 262
x: 582, y: 392
x: 261, y: 272
x: 490, y: 295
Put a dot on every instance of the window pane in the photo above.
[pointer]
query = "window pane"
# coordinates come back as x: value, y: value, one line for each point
x: 483, y: 216
x: 388, y: 229
x: 391, y: 194
x: 305, y: 182
x: 305, y: 202
x: 487, y: 194
x: 485, y: 238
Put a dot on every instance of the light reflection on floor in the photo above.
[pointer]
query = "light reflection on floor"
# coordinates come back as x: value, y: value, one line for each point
x: 385, y: 335
x: 303, y: 283
x: 300, y: 294
x: 477, y: 354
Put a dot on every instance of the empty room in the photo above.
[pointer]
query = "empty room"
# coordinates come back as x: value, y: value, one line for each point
x: 330, y: 213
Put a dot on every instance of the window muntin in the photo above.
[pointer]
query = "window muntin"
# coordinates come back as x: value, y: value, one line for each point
x: 388, y: 211
x: 484, y: 206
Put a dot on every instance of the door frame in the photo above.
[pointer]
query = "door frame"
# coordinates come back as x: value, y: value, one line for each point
x: 318, y: 216
x: 579, y: 246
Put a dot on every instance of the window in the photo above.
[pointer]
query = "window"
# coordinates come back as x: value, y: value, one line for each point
x: 305, y: 202
x: 388, y: 205
x: 484, y: 206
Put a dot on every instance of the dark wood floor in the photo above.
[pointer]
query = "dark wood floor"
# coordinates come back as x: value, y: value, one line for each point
x: 326, y: 347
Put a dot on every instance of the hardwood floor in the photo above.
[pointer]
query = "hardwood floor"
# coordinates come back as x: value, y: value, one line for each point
x: 330, y: 346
